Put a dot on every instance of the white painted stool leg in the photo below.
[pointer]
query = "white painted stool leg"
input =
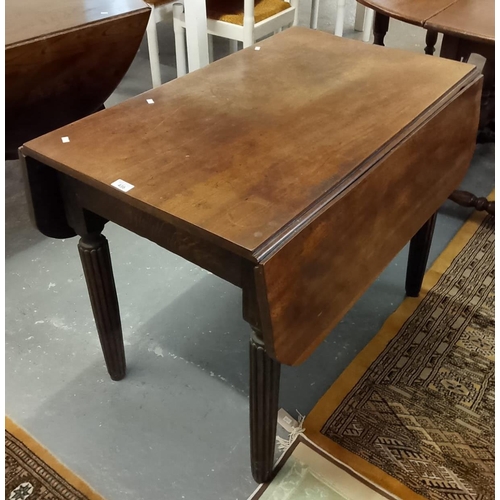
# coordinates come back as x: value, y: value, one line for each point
x: 339, y: 22
x: 368, y: 26
x: 154, y: 53
x: 359, y: 20
x: 180, y: 41
x: 313, y: 24
x: 233, y: 46
x: 195, y: 15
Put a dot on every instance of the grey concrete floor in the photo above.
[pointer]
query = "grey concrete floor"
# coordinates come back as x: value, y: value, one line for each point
x: 177, y: 426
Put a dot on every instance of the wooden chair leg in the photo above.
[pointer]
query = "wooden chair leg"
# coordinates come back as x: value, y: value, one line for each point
x: 264, y: 392
x: 417, y: 258
x: 430, y: 42
x: 380, y: 28
x: 96, y: 262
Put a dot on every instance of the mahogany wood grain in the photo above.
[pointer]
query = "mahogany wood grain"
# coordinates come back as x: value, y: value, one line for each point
x: 63, y: 59
x: 234, y: 156
x: 469, y: 19
x: 341, y: 252
x: 240, y: 168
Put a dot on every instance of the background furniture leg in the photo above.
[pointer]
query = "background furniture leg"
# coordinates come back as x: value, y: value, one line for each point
x: 313, y: 24
x: 380, y: 28
x: 154, y: 52
x: 195, y: 13
x: 233, y: 46
x: 466, y: 199
x: 430, y: 42
x: 96, y: 262
x: 359, y: 19
x: 211, y: 48
x: 339, y: 21
x: 420, y: 245
x: 368, y: 24
x: 488, y: 95
x: 180, y: 41
x: 264, y: 391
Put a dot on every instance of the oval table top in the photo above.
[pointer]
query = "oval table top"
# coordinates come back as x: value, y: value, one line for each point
x: 470, y: 19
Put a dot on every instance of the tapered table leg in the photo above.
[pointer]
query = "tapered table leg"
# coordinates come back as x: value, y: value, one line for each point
x: 96, y: 262
x: 264, y: 392
x: 417, y: 258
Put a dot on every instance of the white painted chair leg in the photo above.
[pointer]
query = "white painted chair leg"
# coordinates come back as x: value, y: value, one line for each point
x: 339, y: 22
x: 295, y: 3
x: 368, y: 26
x: 248, y: 24
x: 195, y: 16
x: 211, y: 48
x: 180, y: 41
x: 359, y: 20
x: 154, y: 53
x: 233, y: 46
x: 313, y: 24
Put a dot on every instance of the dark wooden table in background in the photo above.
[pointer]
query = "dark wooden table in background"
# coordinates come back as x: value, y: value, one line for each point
x: 241, y: 169
x: 468, y: 26
x: 63, y: 59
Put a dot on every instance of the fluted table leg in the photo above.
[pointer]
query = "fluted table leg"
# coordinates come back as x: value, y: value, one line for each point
x: 96, y: 262
x: 264, y: 392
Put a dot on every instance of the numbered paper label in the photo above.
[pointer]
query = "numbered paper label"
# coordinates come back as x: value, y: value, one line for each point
x: 122, y: 185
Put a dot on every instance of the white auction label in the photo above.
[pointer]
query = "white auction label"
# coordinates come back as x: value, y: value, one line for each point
x: 122, y: 185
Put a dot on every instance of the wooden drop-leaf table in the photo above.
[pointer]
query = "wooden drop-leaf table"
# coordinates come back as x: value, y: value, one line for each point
x: 296, y: 172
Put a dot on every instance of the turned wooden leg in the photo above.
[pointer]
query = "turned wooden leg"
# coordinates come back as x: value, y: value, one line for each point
x: 380, y: 28
x: 430, y: 42
x: 417, y: 258
x: 466, y: 199
x: 96, y: 262
x: 264, y: 391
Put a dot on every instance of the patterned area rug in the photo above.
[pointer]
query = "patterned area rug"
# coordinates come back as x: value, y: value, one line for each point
x: 31, y: 473
x: 414, y: 412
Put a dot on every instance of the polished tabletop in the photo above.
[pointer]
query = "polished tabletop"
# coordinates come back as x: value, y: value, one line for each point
x: 30, y: 19
x: 217, y: 149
